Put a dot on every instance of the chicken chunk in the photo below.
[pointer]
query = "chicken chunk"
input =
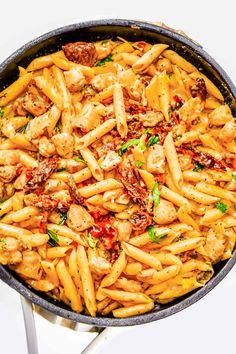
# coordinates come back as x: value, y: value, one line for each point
x: 75, y: 80
x: 99, y: 265
x: 111, y: 160
x: 89, y: 119
x: 191, y: 110
x: 9, y: 157
x: 35, y: 102
x: 46, y: 147
x: 100, y: 82
x: 64, y: 144
x: 30, y: 267
x: 164, y: 213
x: 37, y: 126
x: 78, y: 219
x: 214, y: 246
x: 150, y: 118
x: 228, y: 132
x: 7, y: 173
x: 220, y: 115
x: 156, y: 159
x: 124, y: 229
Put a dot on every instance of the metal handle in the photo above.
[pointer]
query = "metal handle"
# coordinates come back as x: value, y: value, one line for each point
x: 30, y: 328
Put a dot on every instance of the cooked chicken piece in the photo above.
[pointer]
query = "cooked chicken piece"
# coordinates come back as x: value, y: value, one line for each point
x: 73, y: 166
x: 7, y: 173
x: 88, y: 119
x: 46, y: 147
x: 150, y: 118
x: 64, y: 144
x: 75, y: 79
x: 156, y: 159
x: 124, y: 229
x: 214, y: 246
x: 78, y: 219
x: 220, y: 115
x: 99, y: 265
x: 111, y: 160
x: 30, y: 267
x: 35, y: 102
x: 9, y: 157
x: 54, y: 185
x: 191, y: 110
x: 101, y: 81
x: 164, y: 213
x: 228, y: 132
x: 12, y: 256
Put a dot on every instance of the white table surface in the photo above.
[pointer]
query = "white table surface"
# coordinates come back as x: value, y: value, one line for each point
x: 207, y: 326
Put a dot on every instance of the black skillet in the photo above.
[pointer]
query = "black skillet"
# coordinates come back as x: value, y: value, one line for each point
x: 133, y: 31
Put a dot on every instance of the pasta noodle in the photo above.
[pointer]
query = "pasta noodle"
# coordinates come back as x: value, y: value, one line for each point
x: 117, y: 176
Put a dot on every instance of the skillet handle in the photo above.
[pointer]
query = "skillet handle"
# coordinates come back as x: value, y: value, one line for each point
x: 30, y: 329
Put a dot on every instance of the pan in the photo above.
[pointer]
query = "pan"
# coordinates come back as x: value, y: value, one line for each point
x: 133, y: 31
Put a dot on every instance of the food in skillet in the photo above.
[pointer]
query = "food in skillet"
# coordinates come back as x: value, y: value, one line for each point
x: 117, y: 178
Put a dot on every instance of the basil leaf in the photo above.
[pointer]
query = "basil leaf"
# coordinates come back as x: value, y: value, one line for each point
x: 155, y: 238
x: 221, y: 206
x: 104, y: 61
x: 198, y: 167
x: 53, y: 241
x: 154, y: 139
x: 156, y: 194
x: 127, y: 145
x: 63, y: 218
x: 91, y: 241
x: 79, y: 159
x: 139, y: 164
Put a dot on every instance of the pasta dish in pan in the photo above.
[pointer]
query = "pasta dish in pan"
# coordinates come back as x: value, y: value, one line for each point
x: 117, y: 178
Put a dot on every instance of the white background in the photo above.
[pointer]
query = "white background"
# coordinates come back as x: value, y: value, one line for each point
x: 209, y: 325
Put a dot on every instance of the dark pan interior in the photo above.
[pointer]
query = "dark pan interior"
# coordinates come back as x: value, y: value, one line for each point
x: 130, y: 30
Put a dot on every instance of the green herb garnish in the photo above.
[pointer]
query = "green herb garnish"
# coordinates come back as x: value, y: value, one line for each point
x: 234, y: 175
x: 104, y: 61
x: 198, y: 167
x: 221, y: 206
x: 30, y: 116
x: 3, y: 240
x: 63, y: 169
x: 63, y: 218
x: 234, y: 206
x: 53, y: 241
x: 147, y: 131
x: 91, y: 241
x: 79, y: 159
x: 154, y: 139
x: 156, y: 194
x: 1, y: 113
x: 155, y: 238
x: 22, y: 130
x: 3, y: 200
x: 139, y: 163
x: 127, y: 145
x: 170, y: 75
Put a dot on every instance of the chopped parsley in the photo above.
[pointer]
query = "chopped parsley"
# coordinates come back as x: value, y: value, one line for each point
x: 127, y: 145
x: 63, y: 169
x: 104, y: 61
x: 53, y: 241
x: 79, y: 159
x: 1, y: 113
x: 155, y: 238
x: 234, y: 175
x: 154, y: 139
x: 91, y: 241
x: 198, y: 167
x: 234, y: 206
x: 63, y: 218
x: 30, y: 116
x: 156, y: 194
x: 3, y: 240
x: 139, y: 163
x: 147, y: 131
x: 170, y: 75
x: 221, y: 206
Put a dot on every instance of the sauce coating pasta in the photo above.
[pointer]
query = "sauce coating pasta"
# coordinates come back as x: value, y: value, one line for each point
x: 117, y: 179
